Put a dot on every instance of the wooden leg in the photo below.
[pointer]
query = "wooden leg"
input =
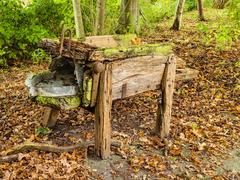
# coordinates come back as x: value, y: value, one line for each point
x: 103, y: 114
x: 165, y: 107
x: 50, y: 117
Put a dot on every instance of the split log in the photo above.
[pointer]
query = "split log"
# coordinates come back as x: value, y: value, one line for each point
x: 103, y: 114
x: 165, y: 107
x: 50, y: 117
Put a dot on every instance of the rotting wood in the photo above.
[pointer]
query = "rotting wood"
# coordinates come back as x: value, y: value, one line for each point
x: 50, y: 117
x: 165, y: 107
x: 78, y: 50
x: 103, y: 114
x: 95, y: 85
x: 82, y: 52
x: 9, y: 158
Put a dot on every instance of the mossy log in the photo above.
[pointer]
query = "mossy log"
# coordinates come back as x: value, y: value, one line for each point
x: 109, y: 48
x: 59, y: 102
x: 111, y: 54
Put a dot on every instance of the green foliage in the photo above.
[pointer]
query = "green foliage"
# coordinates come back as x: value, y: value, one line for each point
x: 221, y: 34
x: 234, y: 11
x: 48, y: 14
x: 39, y: 55
x: 157, y: 10
x: 191, y: 5
x: 19, y: 32
x: 41, y: 131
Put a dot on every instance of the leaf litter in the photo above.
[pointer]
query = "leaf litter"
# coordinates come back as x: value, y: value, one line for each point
x: 205, y: 127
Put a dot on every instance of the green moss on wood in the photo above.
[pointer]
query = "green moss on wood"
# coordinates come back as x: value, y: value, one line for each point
x: 131, y: 51
x: 87, y: 90
x: 63, y: 102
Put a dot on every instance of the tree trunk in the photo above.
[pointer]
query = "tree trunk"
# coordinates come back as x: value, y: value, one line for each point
x: 100, y: 17
x: 129, y: 17
x: 178, y: 15
x: 78, y: 19
x: 91, y: 14
x: 219, y: 4
x: 200, y: 10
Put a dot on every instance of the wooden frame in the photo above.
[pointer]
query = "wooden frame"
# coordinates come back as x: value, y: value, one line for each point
x: 118, y: 70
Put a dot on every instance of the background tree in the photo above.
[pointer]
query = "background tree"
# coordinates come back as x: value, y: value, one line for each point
x: 178, y: 15
x: 179, y: 11
x: 200, y: 10
x: 80, y: 33
x: 129, y: 17
x: 100, y: 17
x: 219, y: 4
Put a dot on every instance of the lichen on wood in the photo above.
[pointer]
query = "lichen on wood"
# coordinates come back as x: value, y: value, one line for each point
x: 62, y: 102
x: 87, y: 89
x: 130, y: 51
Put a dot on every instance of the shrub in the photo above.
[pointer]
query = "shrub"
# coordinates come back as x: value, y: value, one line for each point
x: 19, y: 32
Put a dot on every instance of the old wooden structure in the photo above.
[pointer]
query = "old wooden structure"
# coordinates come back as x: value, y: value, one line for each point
x: 102, y: 69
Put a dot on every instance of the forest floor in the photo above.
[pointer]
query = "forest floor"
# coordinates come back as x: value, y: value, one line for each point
x: 205, y: 130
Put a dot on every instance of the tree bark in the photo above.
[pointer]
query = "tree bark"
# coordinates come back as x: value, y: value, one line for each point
x: 129, y: 17
x: 219, y: 4
x: 178, y: 15
x: 200, y: 10
x: 80, y: 33
x: 100, y: 17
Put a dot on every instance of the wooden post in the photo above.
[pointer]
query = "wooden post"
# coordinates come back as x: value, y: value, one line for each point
x: 164, y: 108
x: 103, y: 114
x: 50, y: 117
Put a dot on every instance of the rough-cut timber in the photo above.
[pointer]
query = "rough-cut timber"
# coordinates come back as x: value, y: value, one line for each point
x: 136, y: 75
x: 72, y: 49
x: 50, y: 117
x: 110, y: 41
x: 103, y: 114
x: 165, y: 107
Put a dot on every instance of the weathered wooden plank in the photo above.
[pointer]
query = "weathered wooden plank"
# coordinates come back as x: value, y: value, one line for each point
x: 136, y: 75
x: 165, y: 107
x: 103, y: 114
x: 50, y: 117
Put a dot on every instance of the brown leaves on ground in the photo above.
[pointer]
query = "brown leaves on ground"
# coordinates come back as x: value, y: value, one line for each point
x: 205, y: 122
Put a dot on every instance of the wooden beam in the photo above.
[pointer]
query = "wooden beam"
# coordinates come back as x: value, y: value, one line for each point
x: 136, y: 75
x: 103, y: 114
x: 165, y: 107
x: 50, y: 117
